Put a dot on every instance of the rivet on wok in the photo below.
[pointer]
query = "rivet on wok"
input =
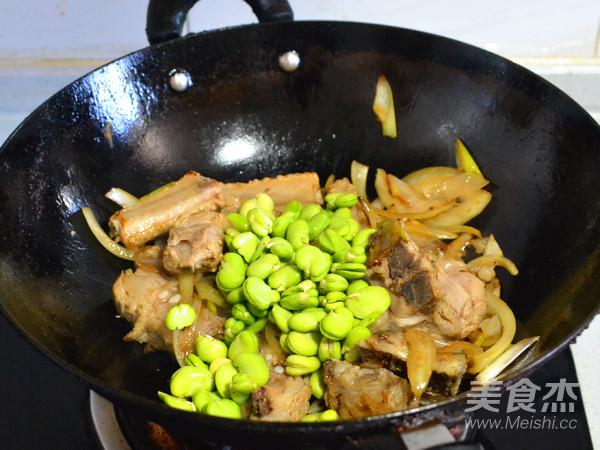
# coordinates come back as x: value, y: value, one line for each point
x: 179, y: 80
x: 289, y: 61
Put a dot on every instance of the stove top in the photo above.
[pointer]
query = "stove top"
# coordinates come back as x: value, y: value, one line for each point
x: 44, y: 406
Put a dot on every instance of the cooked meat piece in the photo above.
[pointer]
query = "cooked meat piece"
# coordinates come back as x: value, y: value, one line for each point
x: 149, y: 258
x: 282, y: 399
x: 456, y: 296
x: 463, y: 306
x: 196, y: 245
x: 155, y: 214
x: 304, y: 187
x: 344, y: 185
x: 356, y: 391
x: 390, y: 350
x: 144, y: 299
x: 396, y: 260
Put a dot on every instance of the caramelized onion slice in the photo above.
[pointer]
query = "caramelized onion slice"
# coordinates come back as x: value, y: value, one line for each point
x: 383, y: 106
x: 122, y: 198
x: 420, y: 360
x: 505, y: 359
x: 358, y: 174
x: 472, y: 204
x: 104, y: 238
x: 509, y: 327
x: 492, y: 261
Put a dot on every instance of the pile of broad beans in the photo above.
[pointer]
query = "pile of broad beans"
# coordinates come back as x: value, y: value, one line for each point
x: 303, y: 271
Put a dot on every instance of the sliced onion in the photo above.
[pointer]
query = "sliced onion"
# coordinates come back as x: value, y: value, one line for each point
x: 122, y: 198
x: 186, y: 286
x: 104, y: 239
x: 471, y: 350
x: 509, y: 328
x: 492, y: 261
x: 464, y: 160
x: 492, y: 248
x: 383, y: 106
x: 414, y: 228
x: 462, y: 229
x: 210, y: 293
x: 472, y: 205
x: 450, y: 187
x: 505, y: 359
x: 434, y: 210
x: 426, y: 172
x: 358, y: 175
x: 420, y: 360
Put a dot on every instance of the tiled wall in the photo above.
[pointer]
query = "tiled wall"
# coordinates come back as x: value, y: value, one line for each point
x: 105, y: 29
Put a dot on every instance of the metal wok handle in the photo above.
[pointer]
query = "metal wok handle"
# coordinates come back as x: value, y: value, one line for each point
x: 166, y: 17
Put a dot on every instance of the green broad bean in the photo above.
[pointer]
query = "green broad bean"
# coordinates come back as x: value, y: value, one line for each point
x: 329, y: 415
x: 264, y: 266
x: 223, y: 408
x: 297, y: 233
x: 298, y: 365
x: 243, y: 384
x: 369, y: 300
x: 264, y: 201
x: 239, y: 222
x: 350, y: 271
x: 260, y: 249
x: 337, y: 323
x: 283, y: 343
x: 317, y: 385
x: 261, y: 221
x: 214, y: 366
x: 352, y: 355
x: 346, y: 227
x: 236, y: 296
x: 245, y: 342
x: 203, y: 398
x: 281, y: 225
x: 335, y: 297
x: 371, y: 318
x: 258, y: 325
x: 305, y: 344
x: 176, y: 402
x: 333, y: 282
x: 247, y: 206
x: 298, y: 301
x: 362, y: 237
x: 180, y: 316
x: 331, y: 242
x: 209, y: 348
x: 351, y: 255
x: 223, y: 378
x: 309, y: 418
x: 188, y: 380
x: 234, y: 325
x: 194, y: 360
x: 356, y: 334
x: 254, y: 366
x: 293, y: 209
x: 329, y: 349
x: 230, y: 233
x: 313, y: 262
x: 286, y: 277
x: 240, y: 312
x: 317, y: 224
x: 281, y: 248
x: 245, y: 244
x: 280, y: 317
x: 356, y: 286
x: 232, y: 272
x: 259, y: 294
x: 345, y: 213
x: 306, y: 286
x: 258, y: 313
x: 310, y: 211
x: 341, y: 200
x: 331, y: 306
x: 305, y: 320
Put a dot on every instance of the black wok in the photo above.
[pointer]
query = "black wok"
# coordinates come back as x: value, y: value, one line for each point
x: 243, y: 117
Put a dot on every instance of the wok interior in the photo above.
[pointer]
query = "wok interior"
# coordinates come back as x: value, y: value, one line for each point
x: 245, y: 118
